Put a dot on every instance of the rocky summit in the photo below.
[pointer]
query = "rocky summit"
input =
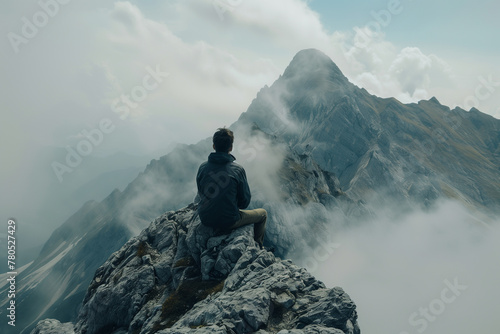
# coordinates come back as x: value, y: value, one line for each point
x: 178, y: 276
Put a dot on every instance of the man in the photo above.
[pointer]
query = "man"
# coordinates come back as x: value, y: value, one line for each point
x: 223, y: 190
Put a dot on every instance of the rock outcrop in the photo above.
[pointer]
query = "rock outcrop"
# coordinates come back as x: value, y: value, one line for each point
x: 179, y: 276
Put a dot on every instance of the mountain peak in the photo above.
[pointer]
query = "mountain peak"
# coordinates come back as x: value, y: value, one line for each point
x: 311, y: 61
x: 312, y: 55
x: 434, y: 100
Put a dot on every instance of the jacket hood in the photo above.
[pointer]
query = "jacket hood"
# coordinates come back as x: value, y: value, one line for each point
x: 220, y: 158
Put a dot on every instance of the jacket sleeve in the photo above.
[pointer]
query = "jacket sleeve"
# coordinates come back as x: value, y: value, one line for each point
x: 198, y: 179
x: 198, y: 182
x: 243, y: 195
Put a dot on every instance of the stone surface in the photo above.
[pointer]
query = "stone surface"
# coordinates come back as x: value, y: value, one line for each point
x: 52, y: 326
x: 178, y: 276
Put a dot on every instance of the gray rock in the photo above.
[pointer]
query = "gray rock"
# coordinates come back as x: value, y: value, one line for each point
x: 204, y: 281
x: 284, y: 299
x: 202, y: 330
x: 52, y: 326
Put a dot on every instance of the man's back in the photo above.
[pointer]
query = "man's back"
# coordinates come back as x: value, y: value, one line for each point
x: 223, y: 190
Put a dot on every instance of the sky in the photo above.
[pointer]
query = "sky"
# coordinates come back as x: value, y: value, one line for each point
x: 83, y: 80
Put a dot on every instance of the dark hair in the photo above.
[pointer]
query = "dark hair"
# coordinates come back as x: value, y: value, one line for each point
x: 223, y: 140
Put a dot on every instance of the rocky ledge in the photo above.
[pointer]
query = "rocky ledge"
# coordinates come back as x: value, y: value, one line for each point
x: 179, y: 276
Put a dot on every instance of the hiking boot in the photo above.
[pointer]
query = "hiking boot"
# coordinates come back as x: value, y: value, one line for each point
x: 269, y: 249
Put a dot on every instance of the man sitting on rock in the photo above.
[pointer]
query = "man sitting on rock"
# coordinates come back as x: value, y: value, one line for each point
x: 224, y: 192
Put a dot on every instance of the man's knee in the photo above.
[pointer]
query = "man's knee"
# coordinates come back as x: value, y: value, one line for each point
x: 263, y: 214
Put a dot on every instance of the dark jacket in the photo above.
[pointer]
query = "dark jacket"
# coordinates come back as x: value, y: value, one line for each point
x: 222, y: 189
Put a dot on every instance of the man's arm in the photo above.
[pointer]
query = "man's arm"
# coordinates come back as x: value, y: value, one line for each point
x: 243, y: 195
x: 198, y: 184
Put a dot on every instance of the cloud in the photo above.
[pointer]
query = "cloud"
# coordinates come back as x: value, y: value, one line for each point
x: 281, y: 19
x: 405, y: 261
x: 407, y: 74
x: 262, y: 157
x: 367, y: 51
x: 411, y: 69
x: 207, y: 85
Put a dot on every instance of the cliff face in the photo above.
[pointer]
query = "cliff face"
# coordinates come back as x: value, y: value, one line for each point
x: 178, y: 276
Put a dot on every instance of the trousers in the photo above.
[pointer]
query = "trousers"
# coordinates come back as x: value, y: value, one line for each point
x: 258, y: 218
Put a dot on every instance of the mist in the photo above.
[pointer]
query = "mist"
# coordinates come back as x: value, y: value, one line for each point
x: 432, y: 272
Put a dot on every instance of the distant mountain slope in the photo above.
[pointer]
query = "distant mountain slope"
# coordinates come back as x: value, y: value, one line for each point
x: 417, y: 152
x: 43, y: 202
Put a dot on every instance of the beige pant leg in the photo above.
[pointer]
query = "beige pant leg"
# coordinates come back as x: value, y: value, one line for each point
x: 258, y: 217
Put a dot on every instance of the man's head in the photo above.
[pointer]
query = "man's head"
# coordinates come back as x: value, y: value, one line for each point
x: 223, y: 140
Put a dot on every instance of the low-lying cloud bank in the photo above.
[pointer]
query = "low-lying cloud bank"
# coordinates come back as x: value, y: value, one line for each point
x: 422, y: 272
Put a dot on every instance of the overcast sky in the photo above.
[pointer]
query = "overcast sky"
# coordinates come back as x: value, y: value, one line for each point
x: 138, y: 75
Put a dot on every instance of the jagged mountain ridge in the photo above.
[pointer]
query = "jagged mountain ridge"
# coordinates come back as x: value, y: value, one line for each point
x: 419, y: 152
